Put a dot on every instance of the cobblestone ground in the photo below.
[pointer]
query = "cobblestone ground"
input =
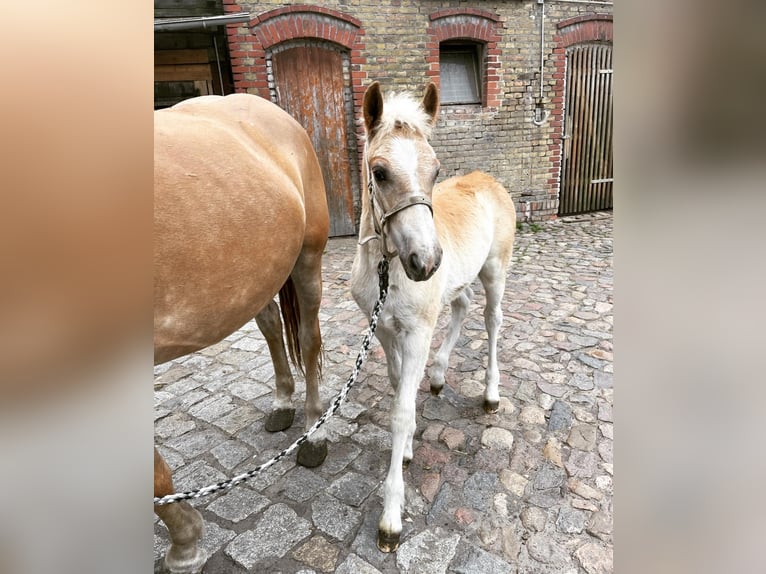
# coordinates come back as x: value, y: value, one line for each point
x: 526, y: 490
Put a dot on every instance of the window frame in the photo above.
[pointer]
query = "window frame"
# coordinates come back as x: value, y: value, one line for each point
x: 476, y: 50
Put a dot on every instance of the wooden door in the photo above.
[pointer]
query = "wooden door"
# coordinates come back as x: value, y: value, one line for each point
x: 310, y: 85
x: 587, y: 168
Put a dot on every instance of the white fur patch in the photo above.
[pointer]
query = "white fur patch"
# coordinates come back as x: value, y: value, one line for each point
x: 404, y: 158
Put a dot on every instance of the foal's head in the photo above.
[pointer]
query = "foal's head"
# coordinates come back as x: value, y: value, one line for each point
x: 403, y: 168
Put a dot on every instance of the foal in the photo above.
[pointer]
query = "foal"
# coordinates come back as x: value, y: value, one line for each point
x: 439, y: 239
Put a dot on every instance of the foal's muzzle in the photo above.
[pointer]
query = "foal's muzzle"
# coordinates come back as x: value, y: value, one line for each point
x: 419, y: 267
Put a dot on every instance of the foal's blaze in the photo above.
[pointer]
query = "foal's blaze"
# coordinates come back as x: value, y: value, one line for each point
x: 469, y: 233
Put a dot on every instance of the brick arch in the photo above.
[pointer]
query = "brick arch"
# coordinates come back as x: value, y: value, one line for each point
x: 248, y: 43
x: 468, y: 24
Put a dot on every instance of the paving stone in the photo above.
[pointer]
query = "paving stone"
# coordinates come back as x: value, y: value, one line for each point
x: 581, y: 464
x: 532, y: 415
x: 238, y: 504
x: 215, y: 537
x: 301, y: 483
x: 193, y: 444
x: 533, y: 518
x: 231, y: 453
x: 514, y: 482
x: 318, y: 553
x: 605, y: 412
x: 239, y: 418
x: 545, y: 549
x: 470, y: 559
x: 479, y: 489
x: 278, y: 530
x: 339, y: 457
x: 498, y: 438
x: 373, y: 436
x: 595, y: 558
x: 605, y: 451
x: 429, y: 552
x: 353, y: 488
x: 355, y: 565
x: 582, y: 437
x: 570, y: 521
x: 599, y: 525
x: 552, y: 389
x: 333, y: 517
x: 582, y: 489
x: 196, y: 475
x: 173, y: 425
x: 561, y: 416
x: 437, y: 409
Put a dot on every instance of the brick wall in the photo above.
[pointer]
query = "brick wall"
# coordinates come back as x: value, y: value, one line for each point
x: 397, y: 41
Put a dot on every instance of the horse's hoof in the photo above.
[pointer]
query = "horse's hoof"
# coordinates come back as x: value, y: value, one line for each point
x: 406, y: 463
x: 436, y: 390
x: 312, y: 454
x: 490, y: 407
x: 187, y: 566
x: 279, y: 420
x: 388, y: 542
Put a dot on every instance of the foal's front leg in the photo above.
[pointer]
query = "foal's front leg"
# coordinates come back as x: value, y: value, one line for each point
x: 414, y: 353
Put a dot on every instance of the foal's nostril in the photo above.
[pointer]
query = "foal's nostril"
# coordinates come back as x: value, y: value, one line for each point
x: 415, y: 264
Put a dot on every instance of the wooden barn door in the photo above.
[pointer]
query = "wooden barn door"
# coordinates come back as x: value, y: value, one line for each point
x: 310, y: 85
x: 586, y: 173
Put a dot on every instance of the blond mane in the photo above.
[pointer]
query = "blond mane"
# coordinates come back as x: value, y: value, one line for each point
x: 401, y: 110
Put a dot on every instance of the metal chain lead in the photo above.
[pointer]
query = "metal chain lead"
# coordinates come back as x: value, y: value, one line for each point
x: 336, y: 403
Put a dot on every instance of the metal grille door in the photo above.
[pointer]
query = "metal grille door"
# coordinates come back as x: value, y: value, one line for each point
x: 587, y: 168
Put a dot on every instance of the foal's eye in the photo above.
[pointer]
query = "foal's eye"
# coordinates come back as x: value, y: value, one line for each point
x: 379, y: 174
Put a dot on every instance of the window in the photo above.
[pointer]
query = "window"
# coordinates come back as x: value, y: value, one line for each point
x: 460, y: 72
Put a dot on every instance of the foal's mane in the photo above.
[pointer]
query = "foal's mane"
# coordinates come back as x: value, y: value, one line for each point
x: 403, y: 111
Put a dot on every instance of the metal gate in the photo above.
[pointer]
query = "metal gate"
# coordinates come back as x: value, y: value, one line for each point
x: 311, y: 82
x: 587, y: 167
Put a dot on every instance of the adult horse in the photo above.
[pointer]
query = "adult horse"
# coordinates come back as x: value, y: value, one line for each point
x: 439, y: 239
x: 240, y: 214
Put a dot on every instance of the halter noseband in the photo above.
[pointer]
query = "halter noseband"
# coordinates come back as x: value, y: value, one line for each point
x: 380, y: 226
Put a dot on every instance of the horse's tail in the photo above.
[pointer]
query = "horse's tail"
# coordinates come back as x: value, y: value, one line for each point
x: 291, y: 317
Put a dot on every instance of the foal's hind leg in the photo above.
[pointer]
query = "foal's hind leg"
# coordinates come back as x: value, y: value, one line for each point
x: 283, y: 412
x: 307, y: 277
x: 492, y: 276
x: 184, y: 524
x: 459, y: 309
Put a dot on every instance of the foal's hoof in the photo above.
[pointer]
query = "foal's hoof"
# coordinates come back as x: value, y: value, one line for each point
x: 279, y: 420
x: 406, y: 463
x: 491, y: 407
x: 312, y: 454
x: 387, y: 542
x: 190, y: 565
x: 436, y: 390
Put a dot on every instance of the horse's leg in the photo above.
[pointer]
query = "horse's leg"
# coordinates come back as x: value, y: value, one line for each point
x: 282, y: 413
x: 459, y: 308
x: 393, y: 355
x: 414, y: 353
x: 492, y: 276
x: 184, y: 524
x: 394, y: 366
x: 307, y: 277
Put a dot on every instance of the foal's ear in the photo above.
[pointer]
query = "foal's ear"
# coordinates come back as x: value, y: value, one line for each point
x: 431, y: 102
x: 372, y: 108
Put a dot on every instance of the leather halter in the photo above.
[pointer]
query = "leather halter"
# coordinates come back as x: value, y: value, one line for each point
x: 380, y: 225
